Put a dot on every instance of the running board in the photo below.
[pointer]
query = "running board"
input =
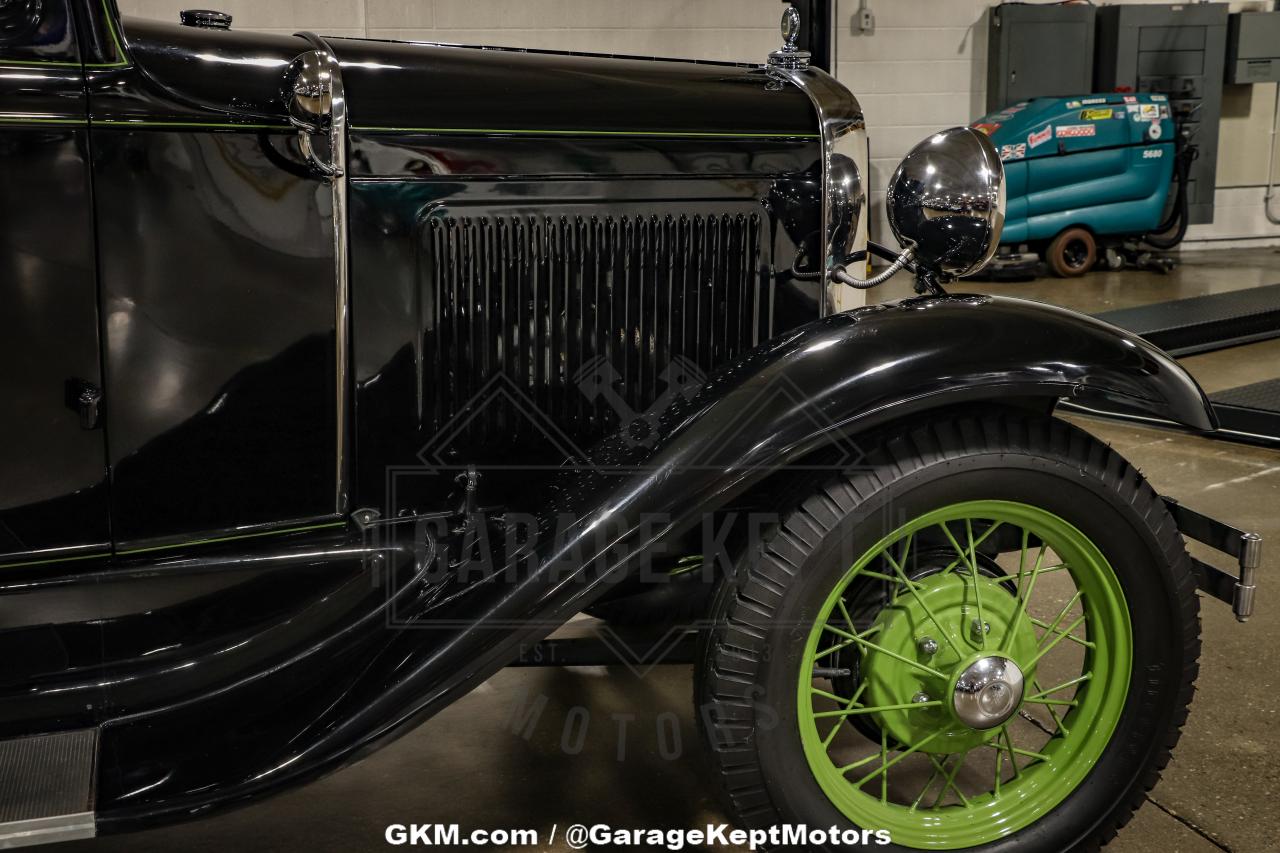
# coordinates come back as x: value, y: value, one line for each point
x: 47, y: 788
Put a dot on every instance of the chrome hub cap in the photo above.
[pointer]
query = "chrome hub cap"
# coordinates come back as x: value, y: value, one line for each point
x: 988, y: 692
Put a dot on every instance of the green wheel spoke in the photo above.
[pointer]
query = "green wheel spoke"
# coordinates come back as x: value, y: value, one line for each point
x: 977, y: 587
x: 1079, y: 679
x: 870, y: 646
x: 1008, y: 745
x: 1062, y: 614
x: 884, y: 768
x: 1013, y: 750
x: 1024, y: 596
x: 861, y: 762
x: 849, y: 620
x: 1048, y: 570
x: 1022, y: 561
x: 853, y: 700
x: 884, y: 776
x: 833, y: 697
x: 868, y: 573
x: 971, y: 562
x: 1080, y: 641
x: 946, y: 632
x: 904, y: 706
x: 830, y: 650
x: 937, y: 773
x: 1044, y: 650
x: 960, y: 551
x: 1062, y: 729
x: 949, y: 781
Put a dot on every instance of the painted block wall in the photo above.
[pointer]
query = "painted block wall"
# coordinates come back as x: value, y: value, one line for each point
x: 922, y: 68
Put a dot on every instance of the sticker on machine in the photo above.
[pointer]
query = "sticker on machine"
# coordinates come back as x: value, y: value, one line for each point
x: 1074, y: 105
x: 1133, y: 110
x: 1090, y: 101
x: 1131, y: 99
x: 1147, y: 112
x: 1159, y: 98
x: 987, y: 127
x: 1155, y: 131
x: 1075, y: 131
x: 1094, y: 115
x: 1013, y: 152
x: 1039, y: 137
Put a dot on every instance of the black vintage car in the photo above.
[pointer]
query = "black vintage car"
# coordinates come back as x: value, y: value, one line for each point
x: 338, y: 371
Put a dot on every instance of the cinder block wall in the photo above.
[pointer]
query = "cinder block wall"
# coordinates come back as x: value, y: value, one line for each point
x: 922, y: 68
x: 713, y: 29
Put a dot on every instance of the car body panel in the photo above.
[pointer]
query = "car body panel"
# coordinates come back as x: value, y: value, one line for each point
x: 55, y: 497
x: 239, y: 631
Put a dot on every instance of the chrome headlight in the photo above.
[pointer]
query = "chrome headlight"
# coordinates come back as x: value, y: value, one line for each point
x: 946, y: 201
x: 308, y: 92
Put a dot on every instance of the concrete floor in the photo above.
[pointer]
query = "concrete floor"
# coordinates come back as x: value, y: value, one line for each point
x: 638, y: 764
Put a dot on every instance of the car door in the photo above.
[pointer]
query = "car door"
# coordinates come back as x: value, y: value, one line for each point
x: 217, y: 267
x: 53, y: 483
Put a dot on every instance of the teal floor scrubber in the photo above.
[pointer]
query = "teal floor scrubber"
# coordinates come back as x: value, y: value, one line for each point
x: 1090, y: 179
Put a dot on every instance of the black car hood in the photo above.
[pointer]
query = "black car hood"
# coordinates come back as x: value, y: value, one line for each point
x: 449, y: 88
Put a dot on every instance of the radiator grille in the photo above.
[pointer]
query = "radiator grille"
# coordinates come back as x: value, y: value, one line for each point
x: 549, y: 303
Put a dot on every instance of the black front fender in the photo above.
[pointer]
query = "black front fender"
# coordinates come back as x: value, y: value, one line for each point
x: 862, y: 367
x: 825, y: 383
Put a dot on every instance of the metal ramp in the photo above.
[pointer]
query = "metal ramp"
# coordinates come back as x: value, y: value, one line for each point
x: 47, y: 788
x: 1204, y: 323
x: 1251, y: 412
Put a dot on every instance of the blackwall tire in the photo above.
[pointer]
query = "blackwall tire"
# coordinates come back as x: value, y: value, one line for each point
x: 1072, y: 253
x: 765, y: 614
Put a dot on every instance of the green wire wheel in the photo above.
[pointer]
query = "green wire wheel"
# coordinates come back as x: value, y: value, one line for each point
x: 985, y: 638
x: 934, y: 779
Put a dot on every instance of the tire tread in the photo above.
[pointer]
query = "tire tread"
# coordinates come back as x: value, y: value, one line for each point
x: 739, y: 608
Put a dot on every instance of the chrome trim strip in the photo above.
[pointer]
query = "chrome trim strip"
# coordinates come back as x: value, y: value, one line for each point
x: 47, y: 830
x: 341, y: 242
x: 60, y: 553
x: 838, y: 114
x: 227, y: 534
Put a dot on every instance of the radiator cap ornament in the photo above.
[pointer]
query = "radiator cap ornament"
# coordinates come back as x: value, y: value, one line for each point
x: 790, y: 56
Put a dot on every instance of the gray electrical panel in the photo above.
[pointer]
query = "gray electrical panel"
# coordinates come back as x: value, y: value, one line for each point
x: 1038, y: 51
x: 1178, y: 50
x: 1253, y: 47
